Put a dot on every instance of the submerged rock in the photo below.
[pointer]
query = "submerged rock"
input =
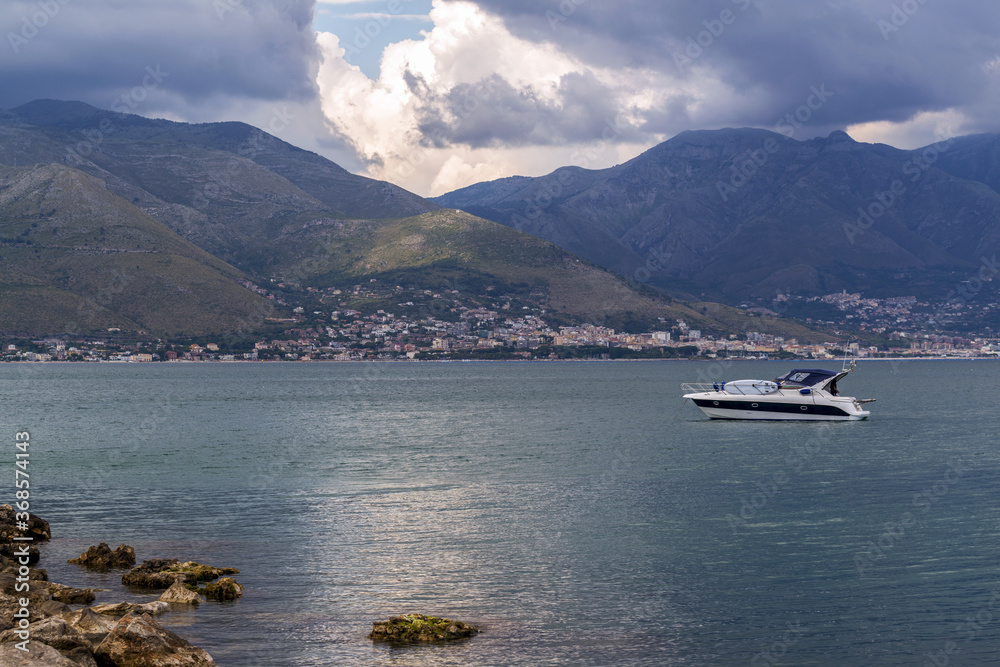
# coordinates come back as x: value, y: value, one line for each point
x: 102, y: 558
x: 420, y: 628
x: 137, y: 639
x: 178, y: 593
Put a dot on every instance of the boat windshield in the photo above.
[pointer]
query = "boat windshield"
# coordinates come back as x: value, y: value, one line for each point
x: 805, y: 377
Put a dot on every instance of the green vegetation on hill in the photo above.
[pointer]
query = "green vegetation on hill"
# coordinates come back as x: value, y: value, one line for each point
x: 149, y: 225
x: 75, y: 258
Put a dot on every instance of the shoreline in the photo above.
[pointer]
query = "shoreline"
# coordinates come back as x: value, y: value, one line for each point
x: 799, y: 360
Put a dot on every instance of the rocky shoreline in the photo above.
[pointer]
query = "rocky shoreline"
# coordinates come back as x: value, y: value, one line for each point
x: 47, y: 624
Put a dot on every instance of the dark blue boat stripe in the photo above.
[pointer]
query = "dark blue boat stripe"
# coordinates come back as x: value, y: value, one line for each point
x: 825, y: 410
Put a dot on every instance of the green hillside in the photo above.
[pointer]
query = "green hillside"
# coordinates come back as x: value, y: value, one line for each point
x: 107, y: 230
x: 75, y: 258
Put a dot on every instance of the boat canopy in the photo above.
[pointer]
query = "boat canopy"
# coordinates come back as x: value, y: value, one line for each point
x: 806, y: 377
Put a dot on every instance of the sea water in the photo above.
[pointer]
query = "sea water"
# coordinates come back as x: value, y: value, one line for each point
x: 579, y: 513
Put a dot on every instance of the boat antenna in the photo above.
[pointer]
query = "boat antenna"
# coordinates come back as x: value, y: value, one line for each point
x: 849, y: 367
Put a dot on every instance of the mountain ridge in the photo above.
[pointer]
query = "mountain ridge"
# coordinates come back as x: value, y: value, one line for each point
x: 738, y: 213
x: 269, y: 211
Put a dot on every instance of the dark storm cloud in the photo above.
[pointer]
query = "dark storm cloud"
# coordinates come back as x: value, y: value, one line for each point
x: 886, y: 59
x: 93, y: 50
x: 492, y: 112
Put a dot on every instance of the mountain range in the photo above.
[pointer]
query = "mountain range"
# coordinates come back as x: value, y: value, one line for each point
x: 742, y: 214
x: 111, y: 220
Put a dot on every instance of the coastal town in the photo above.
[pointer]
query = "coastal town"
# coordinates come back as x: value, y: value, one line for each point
x: 424, y: 325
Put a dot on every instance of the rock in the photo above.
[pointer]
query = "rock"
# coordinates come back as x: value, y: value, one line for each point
x: 93, y: 626
x: 180, y: 594
x: 155, y: 608
x: 37, y: 593
x: 12, y: 553
x: 420, y: 628
x: 8, y: 606
x: 223, y: 589
x: 160, y: 573
x: 37, y: 528
x: 204, y: 572
x: 83, y: 657
x: 37, y: 655
x: 70, y: 595
x: 138, y: 639
x: 55, y: 632
x: 151, y: 574
x: 102, y: 558
x: 53, y: 608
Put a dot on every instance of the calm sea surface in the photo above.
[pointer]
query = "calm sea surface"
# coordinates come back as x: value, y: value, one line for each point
x: 580, y: 513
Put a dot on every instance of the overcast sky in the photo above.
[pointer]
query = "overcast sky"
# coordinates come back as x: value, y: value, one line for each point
x: 438, y: 94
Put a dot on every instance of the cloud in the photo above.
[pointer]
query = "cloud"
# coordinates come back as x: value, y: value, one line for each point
x: 383, y: 17
x: 496, y: 87
x: 923, y: 129
x: 887, y: 61
x: 463, y: 102
x: 495, y: 77
x: 212, y: 49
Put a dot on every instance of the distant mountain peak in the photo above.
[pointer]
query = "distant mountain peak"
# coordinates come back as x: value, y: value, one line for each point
x: 840, y: 136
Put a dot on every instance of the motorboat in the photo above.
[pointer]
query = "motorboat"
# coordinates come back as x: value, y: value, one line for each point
x: 809, y: 394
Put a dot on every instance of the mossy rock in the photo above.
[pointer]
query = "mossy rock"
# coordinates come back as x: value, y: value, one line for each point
x: 420, y: 628
x: 102, y: 558
x: 202, y: 572
x: 223, y: 589
x: 160, y: 573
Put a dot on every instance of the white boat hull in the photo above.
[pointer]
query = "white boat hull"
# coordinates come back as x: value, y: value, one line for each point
x: 763, y: 415
x: 781, y: 405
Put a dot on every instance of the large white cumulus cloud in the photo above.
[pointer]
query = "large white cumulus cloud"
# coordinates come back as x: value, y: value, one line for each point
x: 500, y: 87
x: 471, y: 101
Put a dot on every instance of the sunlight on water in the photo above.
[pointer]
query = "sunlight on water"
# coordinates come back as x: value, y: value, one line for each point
x: 560, y: 506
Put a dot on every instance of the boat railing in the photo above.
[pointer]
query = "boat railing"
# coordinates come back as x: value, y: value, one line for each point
x: 727, y: 387
x: 699, y: 387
